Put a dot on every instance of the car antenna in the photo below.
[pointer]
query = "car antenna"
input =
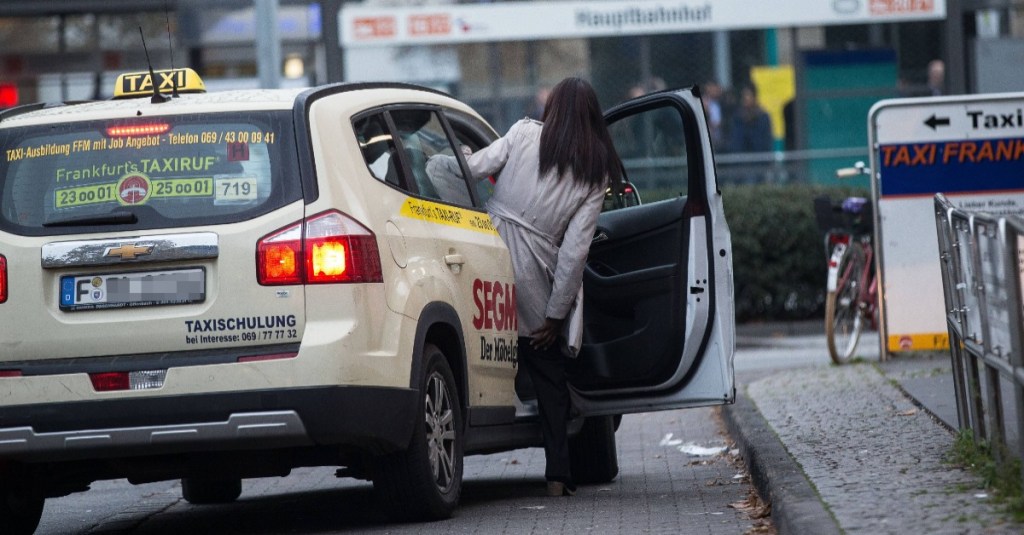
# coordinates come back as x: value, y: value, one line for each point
x: 170, y: 48
x: 157, y: 97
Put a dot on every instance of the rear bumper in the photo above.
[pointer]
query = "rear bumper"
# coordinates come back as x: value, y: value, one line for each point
x: 375, y: 419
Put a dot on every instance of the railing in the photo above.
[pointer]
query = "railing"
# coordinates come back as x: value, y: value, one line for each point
x: 782, y: 167
x: 982, y: 275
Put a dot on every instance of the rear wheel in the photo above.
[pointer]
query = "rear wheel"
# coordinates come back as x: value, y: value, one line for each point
x: 204, y: 491
x: 843, y: 318
x: 425, y: 481
x: 20, y: 509
x: 593, y: 456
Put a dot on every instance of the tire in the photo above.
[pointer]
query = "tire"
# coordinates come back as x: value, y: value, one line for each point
x: 207, y: 491
x: 20, y: 510
x: 843, y: 319
x: 424, y: 482
x: 593, y: 457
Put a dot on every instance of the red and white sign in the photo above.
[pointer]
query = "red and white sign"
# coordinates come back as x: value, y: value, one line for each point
x: 430, y: 24
x: 368, y: 28
x: 133, y: 189
x: 901, y: 7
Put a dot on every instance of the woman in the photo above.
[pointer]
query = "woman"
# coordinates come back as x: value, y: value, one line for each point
x: 551, y: 184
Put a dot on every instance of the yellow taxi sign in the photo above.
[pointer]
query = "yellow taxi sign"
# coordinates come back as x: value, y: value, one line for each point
x: 138, y: 84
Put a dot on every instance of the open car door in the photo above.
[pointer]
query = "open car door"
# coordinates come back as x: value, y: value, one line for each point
x: 659, y: 326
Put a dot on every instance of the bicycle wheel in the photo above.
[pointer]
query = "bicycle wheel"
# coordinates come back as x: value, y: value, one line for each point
x: 843, y: 320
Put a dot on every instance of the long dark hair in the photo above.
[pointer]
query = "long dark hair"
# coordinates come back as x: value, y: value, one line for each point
x: 576, y: 137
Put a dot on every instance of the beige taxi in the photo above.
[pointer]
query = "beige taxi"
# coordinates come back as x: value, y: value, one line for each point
x: 219, y: 286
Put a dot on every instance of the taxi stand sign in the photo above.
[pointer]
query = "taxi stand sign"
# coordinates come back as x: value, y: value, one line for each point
x: 970, y: 148
x: 140, y: 84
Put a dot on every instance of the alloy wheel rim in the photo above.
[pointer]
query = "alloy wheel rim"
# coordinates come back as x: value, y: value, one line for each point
x: 440, y: 422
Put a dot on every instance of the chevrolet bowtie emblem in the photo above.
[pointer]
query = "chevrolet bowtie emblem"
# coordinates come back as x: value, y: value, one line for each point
x: 128, y: 251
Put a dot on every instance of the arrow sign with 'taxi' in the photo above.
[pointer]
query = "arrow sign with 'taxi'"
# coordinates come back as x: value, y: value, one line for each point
x: 934, y: 121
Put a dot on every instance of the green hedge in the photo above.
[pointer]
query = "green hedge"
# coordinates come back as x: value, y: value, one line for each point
x: 778, y: 252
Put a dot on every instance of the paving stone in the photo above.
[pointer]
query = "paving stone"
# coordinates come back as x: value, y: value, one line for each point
x: 875, y: 459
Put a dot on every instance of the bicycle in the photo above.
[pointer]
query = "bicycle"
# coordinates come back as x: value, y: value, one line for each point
x: 852, y: 287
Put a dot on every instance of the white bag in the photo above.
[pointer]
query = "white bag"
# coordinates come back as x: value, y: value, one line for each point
x: 572, y: 329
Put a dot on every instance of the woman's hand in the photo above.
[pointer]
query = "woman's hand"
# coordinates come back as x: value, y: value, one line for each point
x: 545, y: 336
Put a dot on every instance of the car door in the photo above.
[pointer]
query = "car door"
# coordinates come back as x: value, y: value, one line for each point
x: 658, y: 307
x: 474, y: 263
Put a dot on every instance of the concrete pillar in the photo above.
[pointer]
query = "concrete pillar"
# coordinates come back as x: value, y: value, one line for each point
x: 722, y: 58
x: 330, y: 36
x: 268, y: 44
x: 955, y: 49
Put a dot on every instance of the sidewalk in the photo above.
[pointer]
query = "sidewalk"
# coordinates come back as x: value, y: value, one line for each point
x: 856, y: 448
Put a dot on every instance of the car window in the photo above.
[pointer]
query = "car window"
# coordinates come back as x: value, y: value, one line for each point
x: 472, y: 135
x: 429, y: 153
x: 652, y: 146
x: 163, y: 172
x: 378, y: 148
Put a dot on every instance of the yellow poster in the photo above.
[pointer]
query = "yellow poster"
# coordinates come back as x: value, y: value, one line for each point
x: 775, y: 87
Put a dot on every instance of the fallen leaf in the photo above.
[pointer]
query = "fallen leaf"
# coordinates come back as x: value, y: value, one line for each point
x: 742, y: 505
x: 753, y: 506
x: 908, y: 412
x: 761, y: 527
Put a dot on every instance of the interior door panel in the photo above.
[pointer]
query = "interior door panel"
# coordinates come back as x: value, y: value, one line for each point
x: 658, y: 315
x: 632, y: 310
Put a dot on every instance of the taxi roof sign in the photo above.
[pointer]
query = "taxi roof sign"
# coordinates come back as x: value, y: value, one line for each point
x: 140, y: 84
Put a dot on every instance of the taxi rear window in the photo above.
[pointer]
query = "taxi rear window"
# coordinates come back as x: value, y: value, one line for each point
x: 156, y: 173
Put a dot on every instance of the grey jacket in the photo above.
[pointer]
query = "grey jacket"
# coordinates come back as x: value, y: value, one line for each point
x: 547, y: 222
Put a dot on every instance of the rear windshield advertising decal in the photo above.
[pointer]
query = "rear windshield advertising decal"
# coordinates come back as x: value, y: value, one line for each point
x: 157, y: 171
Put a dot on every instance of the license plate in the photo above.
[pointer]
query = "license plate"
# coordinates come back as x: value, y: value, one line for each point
x: 134, y: 289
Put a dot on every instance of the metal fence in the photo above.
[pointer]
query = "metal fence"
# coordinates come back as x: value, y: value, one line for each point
x: 982, y: 276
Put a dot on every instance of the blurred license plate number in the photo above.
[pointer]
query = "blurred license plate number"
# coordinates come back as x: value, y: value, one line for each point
x: 136, y: 289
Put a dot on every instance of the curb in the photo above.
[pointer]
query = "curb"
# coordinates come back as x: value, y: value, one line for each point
x: 796, y: 506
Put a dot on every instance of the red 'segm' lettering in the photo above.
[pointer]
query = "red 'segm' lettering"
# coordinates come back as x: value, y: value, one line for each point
x: 495, y: 306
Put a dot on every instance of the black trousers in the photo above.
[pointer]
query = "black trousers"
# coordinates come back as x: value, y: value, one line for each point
x: 546, y: 368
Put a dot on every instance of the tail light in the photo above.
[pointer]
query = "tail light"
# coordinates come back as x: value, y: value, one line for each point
x: 329, y: 247
x: 3, y: 279
x: 8, y: 95
x: 837, y: 238
x: 135, y: 380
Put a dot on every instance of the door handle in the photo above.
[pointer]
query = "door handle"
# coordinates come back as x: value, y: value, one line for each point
x: 600, y: 237
x: 454, y: 262
x: 454, y: 259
